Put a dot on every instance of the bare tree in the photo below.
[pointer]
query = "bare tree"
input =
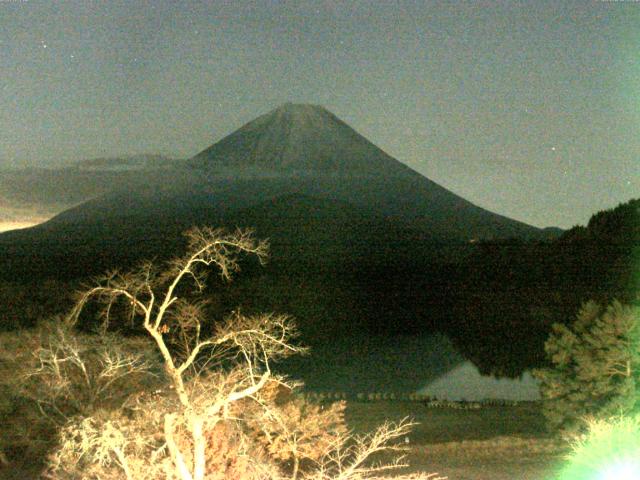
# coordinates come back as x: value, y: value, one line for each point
x: 213, y: 382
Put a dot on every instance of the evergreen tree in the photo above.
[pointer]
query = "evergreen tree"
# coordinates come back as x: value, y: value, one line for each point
x: 595, y: 366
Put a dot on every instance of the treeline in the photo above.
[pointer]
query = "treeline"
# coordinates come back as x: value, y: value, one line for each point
x: 511, y: 292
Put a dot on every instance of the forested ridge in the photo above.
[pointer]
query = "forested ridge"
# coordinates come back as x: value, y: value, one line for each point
x: 512, y: 291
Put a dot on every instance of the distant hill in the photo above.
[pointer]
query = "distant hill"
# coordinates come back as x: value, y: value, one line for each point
x: 130, y: 162
x: 33, y: 195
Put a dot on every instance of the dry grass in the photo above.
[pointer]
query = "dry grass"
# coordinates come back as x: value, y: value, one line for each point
x: 456, y: 443
x: 493, y: 443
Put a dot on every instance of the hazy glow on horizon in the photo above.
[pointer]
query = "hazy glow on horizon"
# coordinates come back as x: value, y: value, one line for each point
x: 8, y: 226
x: 527, y: 109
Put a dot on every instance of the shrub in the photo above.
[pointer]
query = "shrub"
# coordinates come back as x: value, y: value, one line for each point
x: 292, y: 429
x: 595, y: 366
x: 51, y: 375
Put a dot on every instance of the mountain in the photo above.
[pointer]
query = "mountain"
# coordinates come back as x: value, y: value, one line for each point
x: 295, y: 151
x: 320, y: 155
x: 341, y: 216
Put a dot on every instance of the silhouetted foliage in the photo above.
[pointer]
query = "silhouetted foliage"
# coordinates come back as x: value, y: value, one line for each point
x: 512, y: 292
x: 24, y: 304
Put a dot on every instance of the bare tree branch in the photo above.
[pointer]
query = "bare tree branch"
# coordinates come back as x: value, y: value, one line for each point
x: 212, y: 381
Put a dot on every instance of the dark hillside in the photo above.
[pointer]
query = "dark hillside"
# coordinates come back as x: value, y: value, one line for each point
x: 510, y: 287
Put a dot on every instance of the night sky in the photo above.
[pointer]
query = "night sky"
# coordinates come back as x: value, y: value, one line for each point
x: 529, y: 109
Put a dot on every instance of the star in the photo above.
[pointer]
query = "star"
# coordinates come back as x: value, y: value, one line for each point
x: 553, y: 149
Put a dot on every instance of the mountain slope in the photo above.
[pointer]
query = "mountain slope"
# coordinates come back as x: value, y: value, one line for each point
x: 297, y: 138
x: 298, y: 151
x: 360, y: 242
x: 313, y: 152
x: 32, y: 195
x: 508, y: 287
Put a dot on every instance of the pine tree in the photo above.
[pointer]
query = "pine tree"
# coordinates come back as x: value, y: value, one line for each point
x: 595, y: 366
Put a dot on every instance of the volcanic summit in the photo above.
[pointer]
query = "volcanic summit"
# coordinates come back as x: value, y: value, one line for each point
x: 298, y: 138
